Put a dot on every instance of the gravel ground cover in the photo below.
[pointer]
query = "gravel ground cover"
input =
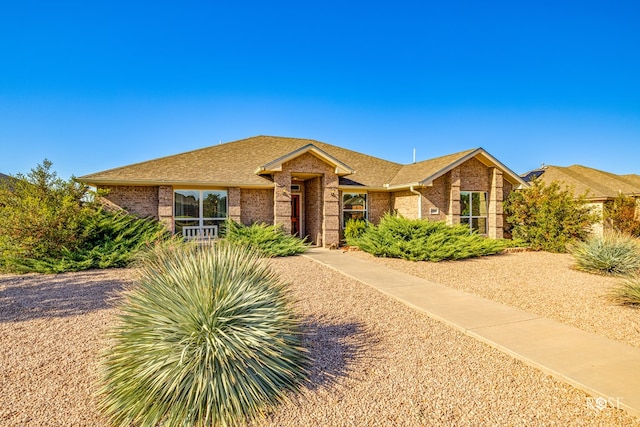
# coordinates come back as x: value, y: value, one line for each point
x: 376, y: 362
x: 541, y: 283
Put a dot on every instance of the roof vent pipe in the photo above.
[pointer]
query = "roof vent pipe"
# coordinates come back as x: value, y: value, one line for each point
x: 419, y: 201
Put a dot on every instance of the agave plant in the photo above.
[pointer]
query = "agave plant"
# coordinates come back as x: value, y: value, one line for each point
x: 207, y: 336
x: 611, y: 254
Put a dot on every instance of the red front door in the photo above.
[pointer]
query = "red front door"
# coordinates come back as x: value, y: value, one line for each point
x: 295, y: 214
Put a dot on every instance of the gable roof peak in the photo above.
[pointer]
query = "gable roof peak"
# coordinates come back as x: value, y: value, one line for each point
x: 341, y: 168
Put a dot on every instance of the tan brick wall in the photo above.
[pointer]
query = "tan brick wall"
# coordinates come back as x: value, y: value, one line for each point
x: 313, y: 209
x: 139, y: 201
x: 233, y: 203
x: 474, y: 176
x: 282, y: 200
x: 256, y: 205
x: 436, y: 196
x: 453, y: 212
x: 328, y: 198
x: 165, y: 206
x: 495, y: 214
x: 379, y: 204
x: 405, y: 204
x: 331, y: 210
x: 597, y: 229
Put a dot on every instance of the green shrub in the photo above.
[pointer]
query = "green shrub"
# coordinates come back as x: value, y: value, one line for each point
x: 107, y: 240
x: 424, y: 240
x: 628, y: 293
x: 621, y: 215
x: 47, y: 226
x: 40, y: 214
x: 612, y: 254
x: 548, y: 217
x: 271, y: 240
x: 353, y: 230
x: 206, y: 337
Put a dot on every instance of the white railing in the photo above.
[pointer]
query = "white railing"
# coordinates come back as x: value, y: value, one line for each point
x: 194, y: 232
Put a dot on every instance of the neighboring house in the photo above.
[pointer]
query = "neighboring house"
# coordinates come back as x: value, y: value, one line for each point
x: 600, y: 187
x: 6, y: 179
x: 309, y: 187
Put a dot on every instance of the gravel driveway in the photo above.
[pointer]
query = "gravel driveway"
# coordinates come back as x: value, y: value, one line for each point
x: 376, y: 361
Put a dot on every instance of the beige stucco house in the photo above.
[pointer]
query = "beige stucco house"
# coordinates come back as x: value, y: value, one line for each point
x: 309, y: 187
x: 600, y: 187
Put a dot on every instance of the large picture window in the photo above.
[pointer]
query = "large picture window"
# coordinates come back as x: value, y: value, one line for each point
x: 354, y: 206
x: 199, y: 208
x: 473, y: 210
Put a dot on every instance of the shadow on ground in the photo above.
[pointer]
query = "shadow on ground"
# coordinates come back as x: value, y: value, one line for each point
x: 334, y: 348
x: 34, y: 296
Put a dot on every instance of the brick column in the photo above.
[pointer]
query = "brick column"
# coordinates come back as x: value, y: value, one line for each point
x: 282, y: 201
x: 495, y: 204
x: 165, y: 206
x: 233, y: 199
x: 330, y: 211
x: 453, y: 216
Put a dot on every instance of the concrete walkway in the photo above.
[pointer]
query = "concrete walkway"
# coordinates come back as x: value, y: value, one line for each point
x: 607, y: 370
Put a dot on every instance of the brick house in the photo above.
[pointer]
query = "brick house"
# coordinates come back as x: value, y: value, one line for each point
x: 601, y: 188
x: 309, y: 187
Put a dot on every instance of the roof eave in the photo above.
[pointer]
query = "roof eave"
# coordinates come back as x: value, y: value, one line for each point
x: 362, y: 187
x: 173, y: 183
x: 397, y: 187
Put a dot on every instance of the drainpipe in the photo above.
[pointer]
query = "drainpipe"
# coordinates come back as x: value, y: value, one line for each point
x: 419, y: 201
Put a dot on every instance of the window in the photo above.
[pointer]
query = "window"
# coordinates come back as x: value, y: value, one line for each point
x: 354, y: 206
x: 199, y: 208
x: 473, y: 210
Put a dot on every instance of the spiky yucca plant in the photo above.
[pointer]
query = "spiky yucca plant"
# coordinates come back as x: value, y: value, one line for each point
x: 611, y: 254
x: 206, y: 337
x: 628, y: 292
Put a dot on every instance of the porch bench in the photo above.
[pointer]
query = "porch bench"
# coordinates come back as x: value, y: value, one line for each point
x: 204, y: 233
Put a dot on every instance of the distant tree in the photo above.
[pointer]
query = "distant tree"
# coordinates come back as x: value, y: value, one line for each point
x: 40, y: 213
x: 622, y: 215
x: 548, y: 217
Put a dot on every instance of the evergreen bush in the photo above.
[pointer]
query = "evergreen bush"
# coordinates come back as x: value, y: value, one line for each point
x: 271, y: 240
x: 424, y: 240
x: 353, y: 230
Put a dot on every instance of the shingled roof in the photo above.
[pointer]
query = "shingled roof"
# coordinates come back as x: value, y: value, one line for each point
x: 235, y: 164
x: 246, y: 163
x: 599, y: 184
x: 425, y: 172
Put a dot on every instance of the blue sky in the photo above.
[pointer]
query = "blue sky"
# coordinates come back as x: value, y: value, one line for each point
x: 95, y: 85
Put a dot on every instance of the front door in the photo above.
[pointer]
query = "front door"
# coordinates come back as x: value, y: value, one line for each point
x: 295, y: 214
